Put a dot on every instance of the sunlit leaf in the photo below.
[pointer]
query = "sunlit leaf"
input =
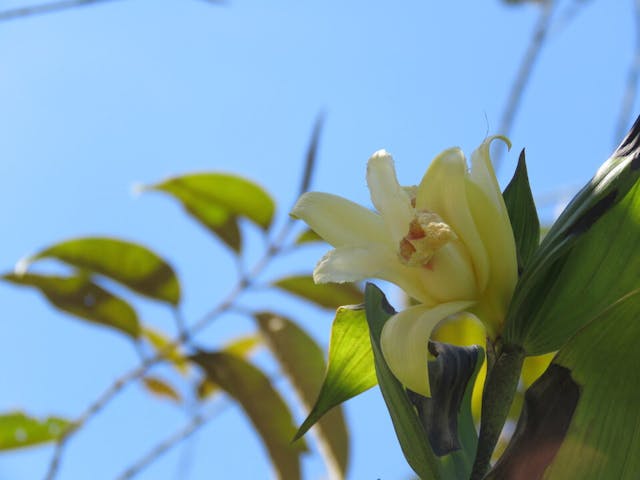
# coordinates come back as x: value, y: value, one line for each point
x: 303, y: 362
x: 18, y: 430
x: 522, y: 214
x: 160, y: 343
x: 350, y: 368
x: 263, y: 405
x: 217, y: 200
x: 81, y: 297
x: 534, y: 367
x: 409, y: 430
x: 327, y: 295
x: 130, y: 264
x: 308, y: 236
x: 161, y: 388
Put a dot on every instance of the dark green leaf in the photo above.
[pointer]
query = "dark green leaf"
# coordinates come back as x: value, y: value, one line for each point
x: 303, y: 362
x: 350, y: 371
x: 81, y: 297
x: 327, y: 295
x: 410, y: 432
x: 308, y: 236
x: 18, y: 430
x: 263, y: 405
x: 216, y: 200
x: 522, y: 213
x: 312, y: 153
x: 133, y: 265
x: 586, y: 261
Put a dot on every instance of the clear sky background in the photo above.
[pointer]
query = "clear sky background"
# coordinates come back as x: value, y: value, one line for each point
x: 96, y: 99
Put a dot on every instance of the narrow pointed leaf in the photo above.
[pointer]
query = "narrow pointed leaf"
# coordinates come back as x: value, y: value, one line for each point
x: 350, y: 369
x: 130, y: 264
x: 303, y: 362
x: 160, y: 343
x: 522, y: 214
x: 326, y: 295
x: 411, y: 434
x: 308, y: 236
x: 263, y: 405
x: 217, y: 200
x: 79, y: 296
x: 161, y: 388
x: 18, y: 430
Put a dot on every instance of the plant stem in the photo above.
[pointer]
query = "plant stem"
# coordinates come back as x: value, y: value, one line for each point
x: 497, y: 397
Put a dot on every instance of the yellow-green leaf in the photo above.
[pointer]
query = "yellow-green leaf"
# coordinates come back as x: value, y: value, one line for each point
x: 160, y: 342
x: 18, y: 430
x: 303, y: 362
x: 263, y: 405
x: 81, y: 297
x: 326, y: 295
x: 130, y: 264
x: 217, y: 200
x: 161, y: 388
x: 308, y: 236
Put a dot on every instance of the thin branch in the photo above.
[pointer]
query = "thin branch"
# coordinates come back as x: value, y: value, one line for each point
x: 629, y: 97
x: 49, y: 7
x: 524, y: 72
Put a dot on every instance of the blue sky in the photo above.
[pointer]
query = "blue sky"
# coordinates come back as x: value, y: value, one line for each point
x: 97, y: 99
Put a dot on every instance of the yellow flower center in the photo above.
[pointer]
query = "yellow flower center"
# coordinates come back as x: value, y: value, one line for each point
x: 427, y: 234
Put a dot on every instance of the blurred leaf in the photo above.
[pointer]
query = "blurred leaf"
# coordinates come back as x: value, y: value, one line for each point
x: 350, y: 370
x: 409, y: 430
x: 312, y: 153
x: 586, y: 261
x: 326, y: 295
x: 161, y: 388
x: 18, y: 430
x: 81, y: 297
x: 132, y: 265
x: 308, y: 236
x: 522, y: 214
x: 263, y: 405
x: 216, y: 200
x: 160, y: 342
x: 303, y: 362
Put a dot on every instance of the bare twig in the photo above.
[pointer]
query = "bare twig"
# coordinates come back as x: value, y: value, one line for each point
x: 49, y: 7
x: 631, y: 88
x: 524, y: 72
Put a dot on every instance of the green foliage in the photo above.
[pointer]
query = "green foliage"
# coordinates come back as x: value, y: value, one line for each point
x: 303, y: 362
x: 350, y: 370
x: 263, y: 405
x: 161, y: 388
x: 218, y: 200
x: 308, y: 236
x: 130, y: 264
x: 18, y: 430
x: 81, y: 297
x: 326, y: 295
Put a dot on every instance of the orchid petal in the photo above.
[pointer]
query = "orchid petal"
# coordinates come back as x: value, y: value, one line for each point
x: 450, y: 275
x: 404, y: 342
x: 483, y: 175
x: 338, y: 220
x: 389, y: 198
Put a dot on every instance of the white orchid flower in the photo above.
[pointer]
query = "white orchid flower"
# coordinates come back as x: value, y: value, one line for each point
x: 447, y: 243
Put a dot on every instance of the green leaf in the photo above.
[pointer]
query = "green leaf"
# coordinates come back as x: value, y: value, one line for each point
x: 581, y: 418
x: 79, y: 296
x: 303, y: 362
x: 160, y: 342
x: 263, y: 405
x: 308, y: 236
x: 18, y: 430
x: 350, y: 370
x: 523, y: 214
x: 586, y: 261
x: 130, y: 264
x: 160, y: 388
x: 410, y: 432
x: 217, y: 200
x: 326, y: 295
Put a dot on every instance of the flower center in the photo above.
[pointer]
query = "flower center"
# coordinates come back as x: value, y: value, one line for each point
x: 427, y: 234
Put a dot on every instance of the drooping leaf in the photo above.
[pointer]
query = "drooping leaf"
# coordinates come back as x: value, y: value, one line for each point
x: 81, y: 297
x: 308, y: 236
x: 217, y: 200
x: 18, y: 430
x: 411, y: 434
x: 586, y: 261
x: 350, y: 369
x: 326, y: 295
x: 522, y: 214
x: 160, y: 388
x: 160, y: 343
x: 130, y: 264
x: 303, y: 362
x: 263, y: 405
